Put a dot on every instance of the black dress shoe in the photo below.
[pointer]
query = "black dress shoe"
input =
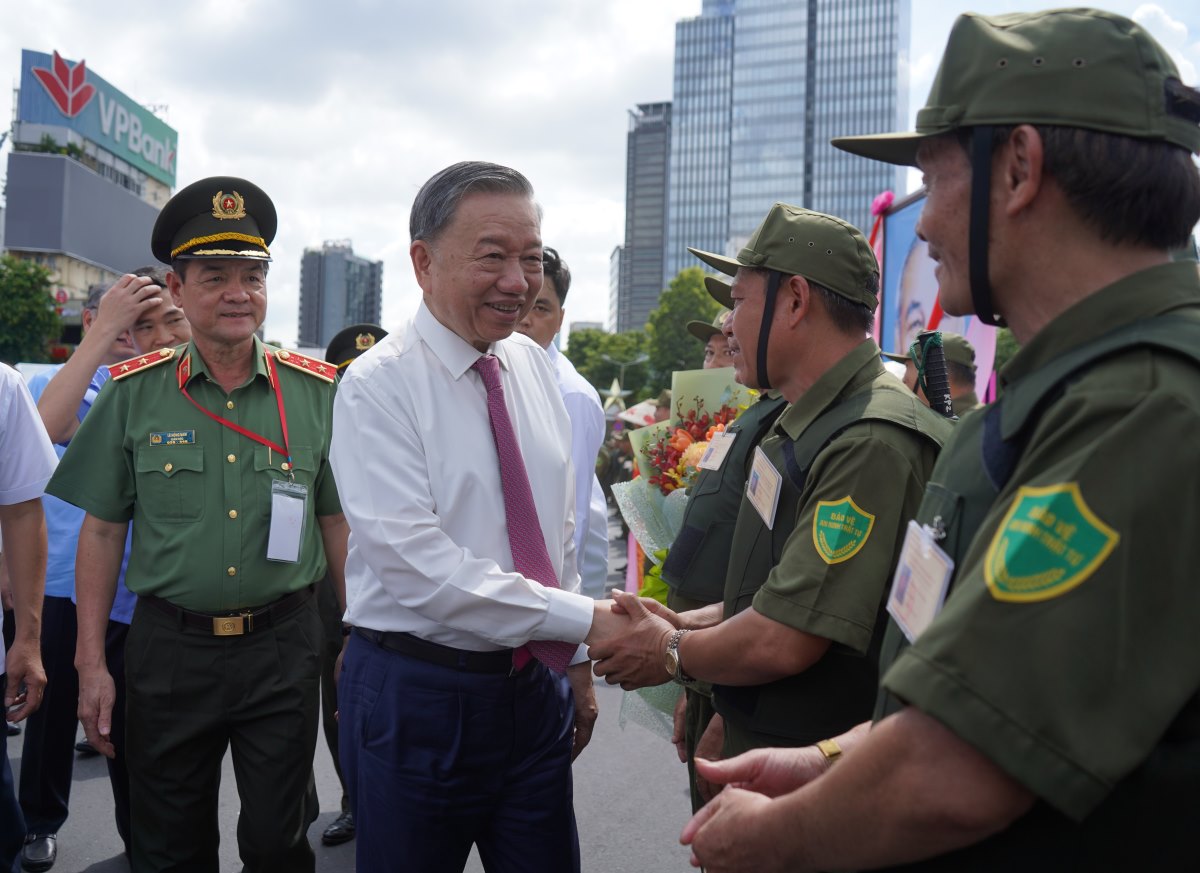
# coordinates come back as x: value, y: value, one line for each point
x: 85, y: 748
x: 341, y: 831
x: 39, y: 852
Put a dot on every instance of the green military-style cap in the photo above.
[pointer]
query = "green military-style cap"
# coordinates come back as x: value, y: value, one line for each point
x: 954, y: 346
x: 819, y: 247
x: 704, y: 331
x: 218, y: 217
x: 719, y: 290
x: 1068, y: 67
x: 348, y: 343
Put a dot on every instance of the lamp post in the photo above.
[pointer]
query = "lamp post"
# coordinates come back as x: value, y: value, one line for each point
x: 621, y: 365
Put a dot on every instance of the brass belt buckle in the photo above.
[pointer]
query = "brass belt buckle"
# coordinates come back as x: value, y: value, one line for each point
x: 233, y: 625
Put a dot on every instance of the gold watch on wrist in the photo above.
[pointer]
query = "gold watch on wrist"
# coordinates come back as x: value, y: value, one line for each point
x: 674, y: 667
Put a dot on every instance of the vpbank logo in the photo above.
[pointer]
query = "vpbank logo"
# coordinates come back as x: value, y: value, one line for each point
x: 66, y: 85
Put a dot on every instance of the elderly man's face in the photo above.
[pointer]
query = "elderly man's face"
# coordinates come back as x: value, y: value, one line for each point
x: 481, y: 275
x: 224, y: 299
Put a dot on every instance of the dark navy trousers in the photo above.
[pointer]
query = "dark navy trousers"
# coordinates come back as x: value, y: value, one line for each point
x: 437, y: 759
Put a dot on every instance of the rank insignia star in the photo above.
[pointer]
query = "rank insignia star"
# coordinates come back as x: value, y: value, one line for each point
x: 305, y: 364
x: 138, y: 365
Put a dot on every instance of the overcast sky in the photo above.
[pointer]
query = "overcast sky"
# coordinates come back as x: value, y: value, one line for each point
x: 341, y: 112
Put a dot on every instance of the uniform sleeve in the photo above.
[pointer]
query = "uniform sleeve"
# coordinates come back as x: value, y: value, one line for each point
x: 1068, y: 645
x: 587, y: 433
x: 859, y: 495
x: 96, y: 473
x: 27, y: 459
x: 326, y: 500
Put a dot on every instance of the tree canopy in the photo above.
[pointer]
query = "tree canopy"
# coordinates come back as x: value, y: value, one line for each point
x: 28, y: 320
x: 668, y: 342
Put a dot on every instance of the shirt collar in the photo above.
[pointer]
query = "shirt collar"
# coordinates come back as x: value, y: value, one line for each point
x: 455, y: 353
x: 1144, y: 294
x: 197, y: 367
x: 848, y: 376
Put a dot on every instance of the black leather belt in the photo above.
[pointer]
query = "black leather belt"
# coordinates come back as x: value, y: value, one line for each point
x: 232, y: 624
x: 435, y: 653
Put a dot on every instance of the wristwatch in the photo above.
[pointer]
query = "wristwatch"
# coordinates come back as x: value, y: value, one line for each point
x: 674, y: 667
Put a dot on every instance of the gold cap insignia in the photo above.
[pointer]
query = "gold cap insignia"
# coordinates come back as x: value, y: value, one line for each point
x: 229, y: 205
x: 363, y: 341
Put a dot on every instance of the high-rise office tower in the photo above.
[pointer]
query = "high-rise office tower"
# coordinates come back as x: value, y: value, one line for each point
x: 641, y: 259
x: 337, y: 289
x: 760, y: 88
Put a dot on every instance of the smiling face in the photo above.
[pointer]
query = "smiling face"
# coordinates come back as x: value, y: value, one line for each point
x: 481, y: 275
x: 160, y: 327
x: 742, y: 325
x: 223, y: 299
x: 944, y: 219
x: 717, y: 352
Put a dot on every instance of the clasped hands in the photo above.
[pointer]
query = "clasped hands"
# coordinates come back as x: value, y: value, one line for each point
x: 628, y: 646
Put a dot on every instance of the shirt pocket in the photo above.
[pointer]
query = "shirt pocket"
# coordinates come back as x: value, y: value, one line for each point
x: 269, y: 467
x: 170, y: 483
x: 942, y: 510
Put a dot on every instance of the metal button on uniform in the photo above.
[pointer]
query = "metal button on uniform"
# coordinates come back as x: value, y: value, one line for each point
x: 231, y: 458
x: 168, y: 467
x: 285, y: 466
x: 229, y: 404
x: 233, y: 513
x: 232, y: 571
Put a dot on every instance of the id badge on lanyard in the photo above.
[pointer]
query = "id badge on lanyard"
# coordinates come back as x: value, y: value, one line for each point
x: 289, y: 509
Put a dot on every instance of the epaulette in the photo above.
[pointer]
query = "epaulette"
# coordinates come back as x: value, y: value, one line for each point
x: 305, y: 364
x: 140, y: 363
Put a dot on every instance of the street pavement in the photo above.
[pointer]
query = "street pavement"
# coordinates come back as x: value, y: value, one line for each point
x: 630, y: 799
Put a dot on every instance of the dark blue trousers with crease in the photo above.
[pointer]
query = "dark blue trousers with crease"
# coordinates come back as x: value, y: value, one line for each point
x: 437, y: 759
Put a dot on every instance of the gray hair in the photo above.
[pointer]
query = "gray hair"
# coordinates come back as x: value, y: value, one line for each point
x: 438, y: 199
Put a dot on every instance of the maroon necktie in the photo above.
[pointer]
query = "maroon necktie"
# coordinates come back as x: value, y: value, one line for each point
x: 530, y: 557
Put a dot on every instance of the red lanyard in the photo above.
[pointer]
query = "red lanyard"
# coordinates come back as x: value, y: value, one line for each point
x: 184, y: 372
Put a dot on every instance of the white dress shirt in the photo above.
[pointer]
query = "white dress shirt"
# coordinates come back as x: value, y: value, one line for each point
x: 27, y: 458
x: 419, y: 478
x: 587, y: 434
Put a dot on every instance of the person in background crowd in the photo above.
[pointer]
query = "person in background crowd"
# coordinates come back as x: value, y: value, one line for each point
x: 582, y: 401
x: 960, y: 369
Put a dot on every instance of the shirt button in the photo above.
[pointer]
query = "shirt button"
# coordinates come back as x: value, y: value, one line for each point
x: 231, y: 458
x: 233, y: 513
x: 229, y: 404
x: 168, y: 467
x: 285, y: 466
x: 232, y: 571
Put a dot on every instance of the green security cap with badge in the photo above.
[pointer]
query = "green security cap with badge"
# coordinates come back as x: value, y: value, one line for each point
x: 217, y: 217
x: 793, y: 241
x: 1069, y: 67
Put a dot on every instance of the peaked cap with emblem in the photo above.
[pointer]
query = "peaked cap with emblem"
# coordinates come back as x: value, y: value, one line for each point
x: 349, y: 343
x: 799, y: 242
x: 217, y: 217
x: 1069, y: 67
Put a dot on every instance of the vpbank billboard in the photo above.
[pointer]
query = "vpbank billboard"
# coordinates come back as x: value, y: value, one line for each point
x: 58, y: 92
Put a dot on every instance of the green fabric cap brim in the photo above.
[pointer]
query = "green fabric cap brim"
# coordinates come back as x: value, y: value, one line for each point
x: 719, y: 291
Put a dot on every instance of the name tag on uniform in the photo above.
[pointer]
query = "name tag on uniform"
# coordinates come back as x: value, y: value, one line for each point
x: 763, y: 487
x: 289, y: 502
x: 920, y: 584
x: 172, y: 437
x: 718, y: 448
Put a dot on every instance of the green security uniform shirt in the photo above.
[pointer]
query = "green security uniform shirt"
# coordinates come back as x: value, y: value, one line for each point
x: 826, y: 564
x: 1067, y: 650
x: 199, y: 493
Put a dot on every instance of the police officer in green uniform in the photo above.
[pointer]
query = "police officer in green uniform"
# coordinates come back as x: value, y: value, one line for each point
x: 217, y: 451
x: 347, y: 344
x: 828, y: 494
x: 694, y: 570
x: 1048, y: 718
x: 960, y: 371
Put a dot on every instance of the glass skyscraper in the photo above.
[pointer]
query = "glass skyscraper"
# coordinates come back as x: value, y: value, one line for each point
x: 761, y: 86
x: 641, y: 260
x: 337, y: 289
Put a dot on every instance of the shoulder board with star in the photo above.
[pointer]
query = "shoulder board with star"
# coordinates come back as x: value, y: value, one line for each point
x: 305, y: 364
x: 140, y: 363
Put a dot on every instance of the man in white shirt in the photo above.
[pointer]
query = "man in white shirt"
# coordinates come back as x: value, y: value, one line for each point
x: 27, y: 461
x: 541, y: 325
x: 450, y: 734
